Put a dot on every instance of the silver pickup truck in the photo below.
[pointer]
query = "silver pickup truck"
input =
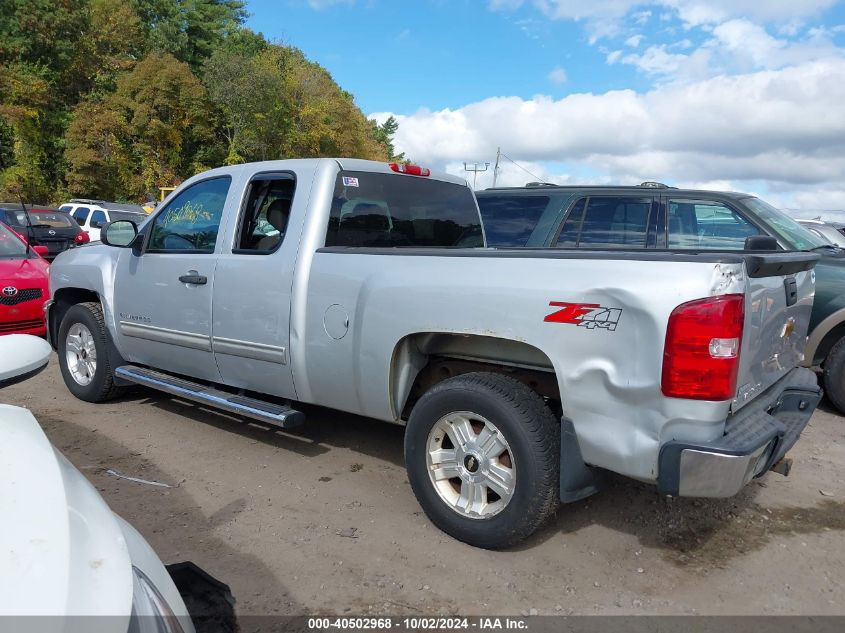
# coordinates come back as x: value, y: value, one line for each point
x: 520, y: 375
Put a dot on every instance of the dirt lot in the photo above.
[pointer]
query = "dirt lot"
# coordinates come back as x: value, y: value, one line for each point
x: 264, y: 511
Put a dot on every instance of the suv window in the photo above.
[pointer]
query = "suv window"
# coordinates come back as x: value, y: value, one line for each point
x: 697, y: 224
x: 384, y: 210
x: 191, y: 220
x: 265, y: 216
x: 510, y: 220
x: 98, y: 219
x: 80, y: 214
x: 607, y: 222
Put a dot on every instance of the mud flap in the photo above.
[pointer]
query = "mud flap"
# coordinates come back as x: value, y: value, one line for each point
x: 210, y: 602
x: 577, y: 479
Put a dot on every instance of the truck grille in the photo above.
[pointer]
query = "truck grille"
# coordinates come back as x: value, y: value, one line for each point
x: 17, y: 326
x: 23, y: 295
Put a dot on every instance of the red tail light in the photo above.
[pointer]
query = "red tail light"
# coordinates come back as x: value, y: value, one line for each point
x: 82, y: 238
x: 413, y: 170
x: 701, y: 355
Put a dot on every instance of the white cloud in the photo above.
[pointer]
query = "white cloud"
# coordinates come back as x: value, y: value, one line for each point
x: 734, y: 46
x: 782, y: 127
x: 604, y: 17
x: 635, y: 40
x: 613, y: 57
x: 558, y: 76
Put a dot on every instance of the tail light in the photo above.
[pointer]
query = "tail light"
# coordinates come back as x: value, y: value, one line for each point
x: 413, y: 170
x: 82, y: 238
x: 701, y: 355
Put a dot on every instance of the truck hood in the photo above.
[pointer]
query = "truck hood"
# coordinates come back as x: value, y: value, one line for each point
x: 62, y: 550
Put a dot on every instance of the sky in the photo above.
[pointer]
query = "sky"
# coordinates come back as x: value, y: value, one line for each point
x: 745, y: 95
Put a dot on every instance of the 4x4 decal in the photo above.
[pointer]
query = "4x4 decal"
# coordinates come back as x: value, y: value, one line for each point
x: 588, y: 315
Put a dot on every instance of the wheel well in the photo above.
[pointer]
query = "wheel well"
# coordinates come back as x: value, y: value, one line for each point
x: 422, y: 360
x: 63, y: 300
x: 830, y: 339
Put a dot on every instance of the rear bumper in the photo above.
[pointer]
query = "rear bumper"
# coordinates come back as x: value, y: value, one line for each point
x: 755, y: 439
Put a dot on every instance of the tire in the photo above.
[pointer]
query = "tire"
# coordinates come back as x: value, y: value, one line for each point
x: 80, y: 322
x: 833, y: 376
x: 501, y: 412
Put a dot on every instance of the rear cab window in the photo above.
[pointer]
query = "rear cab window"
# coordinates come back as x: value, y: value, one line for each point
x: 371, y: 209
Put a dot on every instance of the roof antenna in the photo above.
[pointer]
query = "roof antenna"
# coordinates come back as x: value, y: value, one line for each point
x: 30, y: 232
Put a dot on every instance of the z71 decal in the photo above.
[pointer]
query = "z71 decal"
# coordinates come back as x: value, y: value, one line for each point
x: 588, y: 315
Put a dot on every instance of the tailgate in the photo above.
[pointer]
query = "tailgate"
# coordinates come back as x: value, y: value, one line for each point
x: 778, y: 301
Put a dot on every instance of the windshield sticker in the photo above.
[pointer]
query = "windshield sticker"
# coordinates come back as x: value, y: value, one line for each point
x: 348, y: 181
x: 588, y: 315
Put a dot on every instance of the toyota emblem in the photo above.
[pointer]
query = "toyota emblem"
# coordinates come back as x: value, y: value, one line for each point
x: 10, y: 291
x: 51, y: 232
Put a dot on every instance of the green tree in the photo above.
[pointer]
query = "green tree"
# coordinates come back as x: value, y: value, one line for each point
x: 190, y: 30
x: 383, y: 135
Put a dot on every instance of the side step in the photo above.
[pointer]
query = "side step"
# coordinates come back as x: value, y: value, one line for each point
x: 268, y: 412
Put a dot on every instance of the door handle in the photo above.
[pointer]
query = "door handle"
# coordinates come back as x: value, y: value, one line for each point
x: 197, y: 280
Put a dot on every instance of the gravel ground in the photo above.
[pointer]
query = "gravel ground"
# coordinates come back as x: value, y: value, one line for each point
x: 323, y: 521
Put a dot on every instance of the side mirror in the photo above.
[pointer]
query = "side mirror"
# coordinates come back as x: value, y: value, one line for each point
x: 120, y: 233
x: 761, y: 243
x: 41, y: 250
x: 21, y: 357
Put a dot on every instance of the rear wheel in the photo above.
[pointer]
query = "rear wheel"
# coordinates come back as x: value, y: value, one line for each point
x: 482, y: 453
x: 834, y: 375
x: 83, y: 353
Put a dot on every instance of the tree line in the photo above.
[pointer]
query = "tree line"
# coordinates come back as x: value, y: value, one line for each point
x: 115, y: 98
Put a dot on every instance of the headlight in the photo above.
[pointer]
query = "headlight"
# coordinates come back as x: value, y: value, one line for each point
x: 150, y: 612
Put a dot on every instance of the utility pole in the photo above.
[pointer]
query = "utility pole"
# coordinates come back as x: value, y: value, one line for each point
x: 496, y: 166
x: 475, y: 169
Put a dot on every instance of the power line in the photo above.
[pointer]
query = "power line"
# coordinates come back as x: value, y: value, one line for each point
x: 535, y: 176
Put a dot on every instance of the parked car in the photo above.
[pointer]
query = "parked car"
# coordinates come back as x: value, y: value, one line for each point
x: 24, y: 279
x: 520, y: 375
x: 91, y: 215
x: 664, y: 218
x: 833, y: 232
x: 43, y: 226
x: 65, y: 554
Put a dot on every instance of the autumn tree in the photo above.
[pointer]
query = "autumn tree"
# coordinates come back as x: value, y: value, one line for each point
x: 151, y: 132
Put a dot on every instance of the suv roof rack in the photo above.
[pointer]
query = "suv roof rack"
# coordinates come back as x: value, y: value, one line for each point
x: 540, y: 184
x: 651, y: 184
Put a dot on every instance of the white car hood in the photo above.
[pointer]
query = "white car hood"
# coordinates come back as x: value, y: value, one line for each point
x: 62, y: 550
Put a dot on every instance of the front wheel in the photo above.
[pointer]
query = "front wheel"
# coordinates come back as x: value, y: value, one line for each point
x: 83, y: 353
x: 482, y: 453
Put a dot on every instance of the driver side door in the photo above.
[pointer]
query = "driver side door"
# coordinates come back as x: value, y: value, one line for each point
x: 162, y: 297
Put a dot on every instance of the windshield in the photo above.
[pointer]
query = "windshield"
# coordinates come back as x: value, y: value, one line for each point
x: 57, y: 220
x: 10, y: 244
x: 795, y: 235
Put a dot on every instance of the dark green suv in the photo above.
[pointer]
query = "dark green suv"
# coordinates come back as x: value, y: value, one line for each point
x: 654, y: 216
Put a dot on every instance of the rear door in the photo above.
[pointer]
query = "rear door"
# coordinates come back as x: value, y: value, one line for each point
x: 777, y: 306
x: 609, y: 222
x: 162, y: 297
x: 252, y: 289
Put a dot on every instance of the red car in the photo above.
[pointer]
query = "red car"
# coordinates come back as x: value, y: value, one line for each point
x: 24, y: 278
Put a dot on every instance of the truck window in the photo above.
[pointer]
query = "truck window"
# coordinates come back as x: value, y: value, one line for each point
x: 703, y: 224
x: 607, y: 222
x: 510, y: 220
x: 264, y: 218
x: 191, y: 221
x: 385, y: 210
